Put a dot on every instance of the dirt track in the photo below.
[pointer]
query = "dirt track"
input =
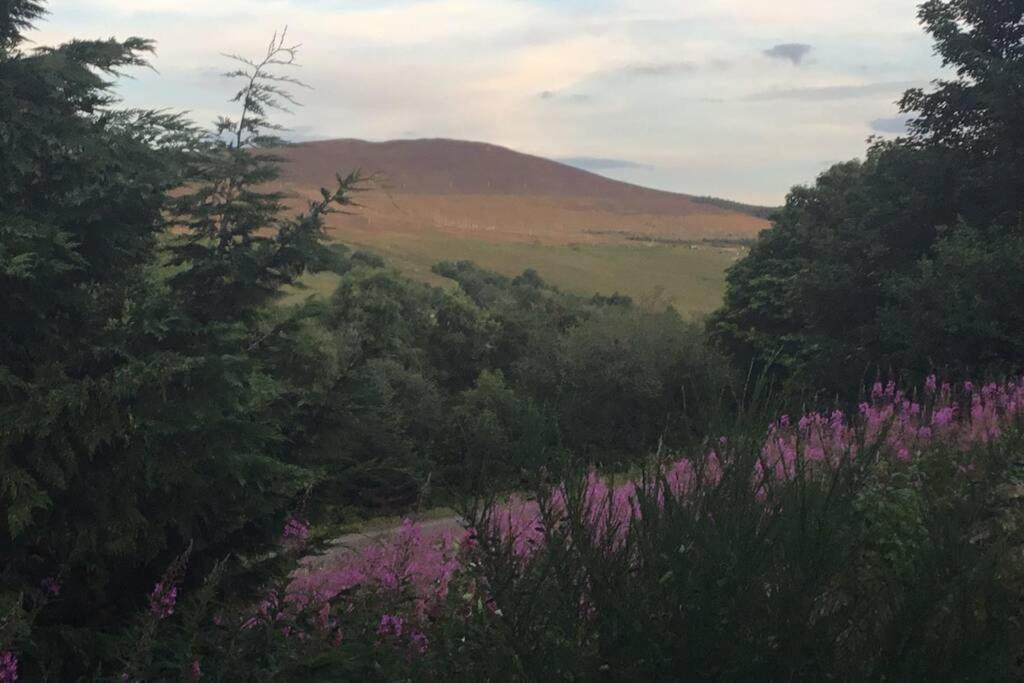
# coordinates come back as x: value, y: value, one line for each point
x: 349, y: 542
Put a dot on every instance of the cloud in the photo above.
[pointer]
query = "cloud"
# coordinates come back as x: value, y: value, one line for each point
x: 668, y: 82
x: 833, y: 92
x: 601, y: 164
x: 571, y: 98
x: 896, y: 125
x: 658, y: 69
x: 790, y: 52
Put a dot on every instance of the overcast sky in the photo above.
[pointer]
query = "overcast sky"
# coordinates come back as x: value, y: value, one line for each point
x: 734, y: 98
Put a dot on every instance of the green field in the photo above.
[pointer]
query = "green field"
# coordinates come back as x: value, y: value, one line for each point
x: 690, y: 277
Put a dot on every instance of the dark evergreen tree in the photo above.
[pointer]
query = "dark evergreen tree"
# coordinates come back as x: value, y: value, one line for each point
x: 139, y: 413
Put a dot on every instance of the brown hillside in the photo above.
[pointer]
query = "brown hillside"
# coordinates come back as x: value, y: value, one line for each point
x: 468, y: 189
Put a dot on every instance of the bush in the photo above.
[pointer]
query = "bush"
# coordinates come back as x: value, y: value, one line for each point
x: 631, y: 379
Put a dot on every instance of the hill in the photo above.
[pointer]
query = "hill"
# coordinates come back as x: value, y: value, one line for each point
x: 444, y: 199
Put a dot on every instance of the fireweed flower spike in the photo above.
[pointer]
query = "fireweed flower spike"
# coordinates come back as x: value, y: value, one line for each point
x: 162, y: 600
x: 8, y: 667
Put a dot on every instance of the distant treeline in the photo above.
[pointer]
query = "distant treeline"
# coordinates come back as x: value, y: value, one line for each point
x: 722, y: 242
x: 765, y: 212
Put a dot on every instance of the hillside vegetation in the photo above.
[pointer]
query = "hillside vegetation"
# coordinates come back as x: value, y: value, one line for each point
x: 823, y: 481
x: 428, y: 200
x: 690, y: 277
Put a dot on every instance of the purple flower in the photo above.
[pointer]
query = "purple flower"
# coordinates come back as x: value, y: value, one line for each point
x: 296, y: 529
x: 8, y: 667
x: 162, y: 600
x: 390, y: 625
x: 195, y: 671
x: 419, y: 641
x: 877, y: 390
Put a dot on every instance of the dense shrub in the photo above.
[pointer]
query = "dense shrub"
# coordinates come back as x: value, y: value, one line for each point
x: 407, y: 383
x: 631, y: 379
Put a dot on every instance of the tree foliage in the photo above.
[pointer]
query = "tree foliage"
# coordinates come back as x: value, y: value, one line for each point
x: 139, y: 413
x: 808, y: 302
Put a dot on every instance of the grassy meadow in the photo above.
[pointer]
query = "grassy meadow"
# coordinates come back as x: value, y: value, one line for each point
x: 690, y: 277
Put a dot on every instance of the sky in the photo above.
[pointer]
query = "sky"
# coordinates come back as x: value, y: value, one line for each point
x: 733, y: 98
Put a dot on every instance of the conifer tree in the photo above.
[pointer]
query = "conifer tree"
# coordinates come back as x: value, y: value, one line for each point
x: 137, y: 414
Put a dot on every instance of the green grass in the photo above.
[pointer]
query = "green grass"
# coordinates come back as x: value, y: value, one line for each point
x: 690, y: 277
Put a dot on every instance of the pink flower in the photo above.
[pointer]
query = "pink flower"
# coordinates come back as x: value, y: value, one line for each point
x: 390, y: 625
x: 195, y: 672
x: 162, y: 600
x: 8, y: 667
x: 877, y: 391
x: 419, y: 641
x: 295, y: 531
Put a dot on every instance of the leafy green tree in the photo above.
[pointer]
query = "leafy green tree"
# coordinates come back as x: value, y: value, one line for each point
x: 240, y: 247
x: 961, y: 308
x: 807, y: 302
x: 976, y: 117
x: 493, y: 436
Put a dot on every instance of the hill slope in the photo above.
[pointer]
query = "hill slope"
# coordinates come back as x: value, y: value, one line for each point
x: 432, y: 200
x: 451, y: 186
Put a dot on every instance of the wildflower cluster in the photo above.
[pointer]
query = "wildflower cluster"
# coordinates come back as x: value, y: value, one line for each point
x: 424, y: 558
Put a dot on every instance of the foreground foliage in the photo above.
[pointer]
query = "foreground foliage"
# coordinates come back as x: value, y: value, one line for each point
x: 880, y: 545
x: 168, y: 431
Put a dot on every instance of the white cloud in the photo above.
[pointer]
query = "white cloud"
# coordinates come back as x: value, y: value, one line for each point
x: 475, y: 69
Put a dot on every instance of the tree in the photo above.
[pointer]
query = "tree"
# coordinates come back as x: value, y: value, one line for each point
x: 138, y: 412
x: 240, y: 247
x: 961, y: 308
x: 631, y: 378
x: 977, y: 117
x: 807, y: 302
